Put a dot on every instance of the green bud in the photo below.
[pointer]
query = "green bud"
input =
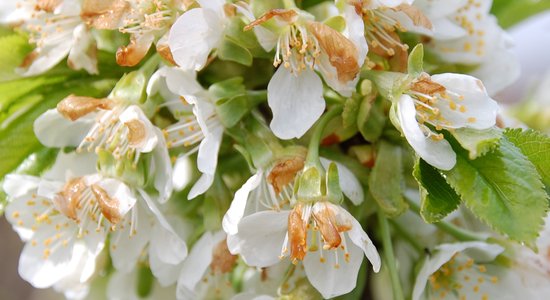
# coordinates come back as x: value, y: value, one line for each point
x: 309, y: 189
x: 334, y: 192
x: 416, y: 61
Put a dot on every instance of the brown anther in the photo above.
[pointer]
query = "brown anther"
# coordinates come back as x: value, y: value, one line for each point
x: 297, y: 234
x: 284, y: 172
x: 416, y: 15
x: 74, y: 107
x: 222, y: 260
x: 426, y: 86
x: 131, y: 55
x: 326, y: 221
x: 67, y: 201
x: 286, y: 15
x: 136, y: 132
x: 47, y: 5
x: 109, y: 207
x: 104, y: 14
x: 341, y: 51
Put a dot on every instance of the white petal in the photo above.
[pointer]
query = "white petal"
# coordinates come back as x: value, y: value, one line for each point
x: 437, y: 153
x: 150, y: 140
x: 196, y: 264
x: 48, y: 56
x: 260, y: 238
x: 207, y: 158
x: 201, y: 186
x: 54, y: 131
x: 126, y: 245
x: 214, y: 5
x: 296, y: 102
x: 444, y: 254
x: 235, y: 212
x: 182, y: 82
x: 355, y: 32
x: 165, y: 274
x: 70, y: 165
x: 477, y: 102
x: 183, y: 172
x: 167, y: 245
x: 329, y: 280
x: 348, y: 182
x: 162, y: 168
x: 330, y: 75
x: 445, y: 29
x: 193, y: 36
x: 83, y: 45
x: 360, y: 238
x: 19, y: 185
x: 505, y: 64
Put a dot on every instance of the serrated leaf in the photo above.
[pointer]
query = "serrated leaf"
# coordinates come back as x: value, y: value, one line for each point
x: 229, y: 50
x: 477, y: 142
x: 386, y: 180
x: 536, y: 146
x: 503, y: 189
x: 437, y: 197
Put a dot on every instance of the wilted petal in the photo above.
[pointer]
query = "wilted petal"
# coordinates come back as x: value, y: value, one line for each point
x: 296, y: 101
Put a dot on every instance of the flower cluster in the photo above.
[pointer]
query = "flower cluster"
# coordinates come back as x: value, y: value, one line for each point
x: 221, y: 149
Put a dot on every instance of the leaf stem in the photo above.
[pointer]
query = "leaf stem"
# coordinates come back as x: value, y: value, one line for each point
x: 457, y: 232
x: 313, y: 149
x: 389, y: 256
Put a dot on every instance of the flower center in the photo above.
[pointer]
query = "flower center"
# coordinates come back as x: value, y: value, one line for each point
x: 461, y: 277
x: 381, y: 32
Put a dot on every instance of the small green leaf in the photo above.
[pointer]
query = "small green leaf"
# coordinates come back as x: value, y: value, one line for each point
x: 232, y: 110
x: 513, y: 12
x: 337, y: 23
x: 503, y: 189
x: 477, y: 142
x: 386, y: 180
x: 536, y: 146
x: 228, y: 88
x: 437, y: 198
x: 351, y: 107
x: 229, y: 50
x: 371, y: 119
x: 416, y: 61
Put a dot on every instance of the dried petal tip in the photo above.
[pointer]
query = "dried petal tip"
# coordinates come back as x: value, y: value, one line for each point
x: 222, y: 260
x: 47, y: 5
x: 131, y: 55
x: 74, y: 107
x: 286, y: 15
x: 104, y: 14
x: 426, y: 86
x: 68, y: 200
x: 136, y: 132
x: 297, y: 234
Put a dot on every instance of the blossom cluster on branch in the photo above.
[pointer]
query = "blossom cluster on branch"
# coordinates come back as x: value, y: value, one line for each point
x: 285, y: 149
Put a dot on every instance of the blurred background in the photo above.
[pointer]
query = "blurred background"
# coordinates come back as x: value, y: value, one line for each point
x: 528, y: 98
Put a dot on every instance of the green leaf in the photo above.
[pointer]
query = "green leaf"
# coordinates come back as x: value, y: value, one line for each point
x: 416, y: 61
x: 17, y: 140
x: 232, y: 110
x: 510, y: 13
x: 229, y: 50
x: 228, y: 88
x: 14, y: 49
x: 536, y: 146
x: 349, y: 115
x: 371, y: 119
x: 386, y: 180
x: 437, y: 198
x: 503, y: 189
x: 477, y: 142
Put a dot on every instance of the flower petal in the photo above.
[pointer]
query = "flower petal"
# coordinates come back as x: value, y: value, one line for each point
x: 296, y: 102
x: 196, y: 264
x: 149, y: 139
x: 183, y: 172
x: 82, y: 54
x: 437, y: 153
x: 444, y: 254
x: 193, y: 36
x: 53, y: 130
x: 334, y: 276
x: 235, y: 212
x: 481, y: 110
x: 260, y: 238
x: 162, y: 168
x: 360, y: 238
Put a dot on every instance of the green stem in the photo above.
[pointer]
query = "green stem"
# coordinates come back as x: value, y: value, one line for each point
x: 457, y: 232
x: 313, y: 149
x: 256, y: 97
x: 150, y: 65
x: 389, y: 256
